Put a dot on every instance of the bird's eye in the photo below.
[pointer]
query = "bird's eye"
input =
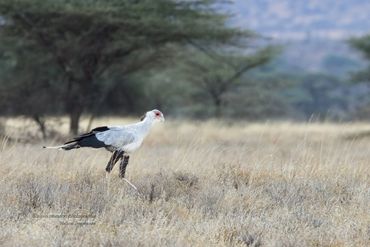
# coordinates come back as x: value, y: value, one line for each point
x: 157, y: 114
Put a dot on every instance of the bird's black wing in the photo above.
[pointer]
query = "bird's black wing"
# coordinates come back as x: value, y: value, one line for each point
x: 87, y: 140
x: 91, y: 133
x: 99, y: 129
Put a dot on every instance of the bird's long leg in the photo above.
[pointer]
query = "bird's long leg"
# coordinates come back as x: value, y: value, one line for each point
x: 112, y: 161
x: 110, y: 164
x: 123, y: 165
x: 122, y: 170
x: 133, y: 186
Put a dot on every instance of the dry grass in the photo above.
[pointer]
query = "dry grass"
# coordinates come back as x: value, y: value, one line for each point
x: 200, y: 184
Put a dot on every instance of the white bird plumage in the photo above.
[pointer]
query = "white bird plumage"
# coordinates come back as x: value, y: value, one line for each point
x: 121, y: 140
x: 130, y: 137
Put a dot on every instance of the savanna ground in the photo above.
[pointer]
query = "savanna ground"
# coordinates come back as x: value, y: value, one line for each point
x: 200, y: 184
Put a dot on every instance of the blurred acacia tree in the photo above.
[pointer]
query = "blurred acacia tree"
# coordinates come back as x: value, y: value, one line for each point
x: 25, y: 86
x: 84, y: 41
x: 216, y: 74
x: 363, y: 45
x: 317, y: 95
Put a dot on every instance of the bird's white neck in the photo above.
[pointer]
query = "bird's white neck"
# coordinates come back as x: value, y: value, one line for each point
x: 146, y: 125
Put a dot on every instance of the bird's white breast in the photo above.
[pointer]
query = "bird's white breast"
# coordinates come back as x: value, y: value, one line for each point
x: 132, y: 146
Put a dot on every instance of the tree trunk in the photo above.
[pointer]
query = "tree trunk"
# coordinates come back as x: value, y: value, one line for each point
x: 41, y: 123
x: 89, y: 124
x: 218, y: 103
x: 74, y: 105
x: 74, y: 120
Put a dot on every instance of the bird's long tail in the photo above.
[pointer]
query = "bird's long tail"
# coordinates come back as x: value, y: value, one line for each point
x: 85, y: 140
x: 67, y: 146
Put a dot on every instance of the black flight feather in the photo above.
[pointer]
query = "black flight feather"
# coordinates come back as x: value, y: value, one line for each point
x: 87, y: 140
x: 91, y: 133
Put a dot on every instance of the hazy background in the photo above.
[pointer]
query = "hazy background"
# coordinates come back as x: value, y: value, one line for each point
x: 296, y: 60
x: 315, y: 36
x: 314, y: 32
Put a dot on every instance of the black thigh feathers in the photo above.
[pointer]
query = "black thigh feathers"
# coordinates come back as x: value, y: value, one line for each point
x: 116, y: 156
x: 87, y: 140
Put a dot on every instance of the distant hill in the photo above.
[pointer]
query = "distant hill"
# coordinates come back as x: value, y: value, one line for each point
x: 313, y: 32
x: 292, y: 19
x: 334, y: 57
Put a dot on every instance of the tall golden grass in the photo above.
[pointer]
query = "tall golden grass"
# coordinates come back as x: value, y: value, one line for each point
x: 199, y: 184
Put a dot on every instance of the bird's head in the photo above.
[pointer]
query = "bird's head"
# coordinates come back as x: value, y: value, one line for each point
x: 154, y: 115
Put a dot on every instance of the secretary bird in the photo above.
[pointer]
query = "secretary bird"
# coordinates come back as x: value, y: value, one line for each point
x: 120, y: 140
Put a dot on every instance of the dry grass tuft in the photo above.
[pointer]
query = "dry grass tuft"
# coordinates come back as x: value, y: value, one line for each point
x: 199, y: 184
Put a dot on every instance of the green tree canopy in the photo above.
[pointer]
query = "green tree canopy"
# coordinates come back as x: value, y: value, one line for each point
x: 216, y: 74
x: 85, y: 39
x: 363, y: 45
